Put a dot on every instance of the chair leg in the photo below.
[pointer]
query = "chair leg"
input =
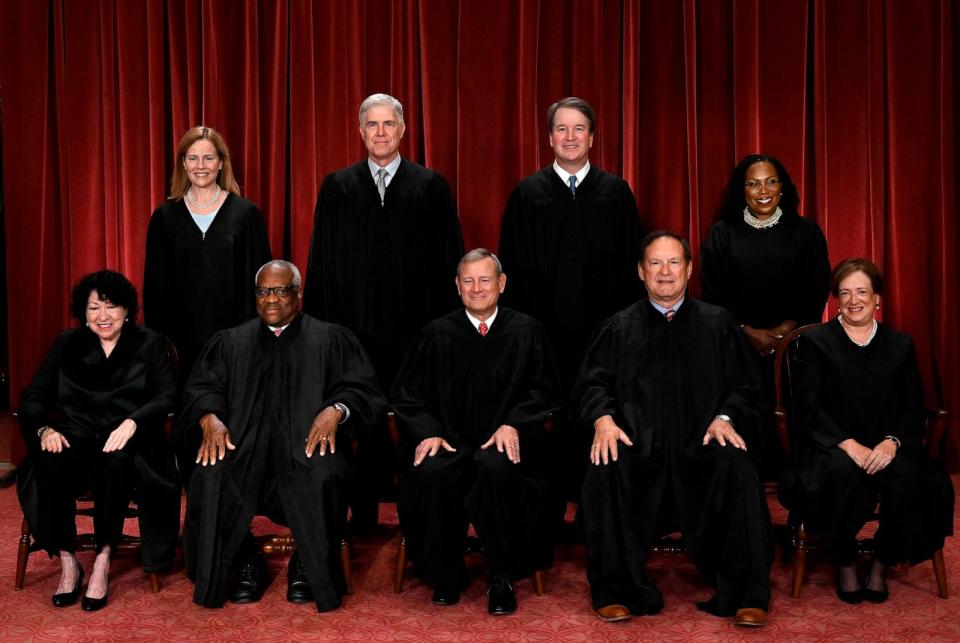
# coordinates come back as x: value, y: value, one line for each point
x: 401, y: 565
x: 799, y: 561
x: 940, y: 571
x: 347, y: 564
x: 23, y: 552
x: 538, y: 582
x: 154, y: 582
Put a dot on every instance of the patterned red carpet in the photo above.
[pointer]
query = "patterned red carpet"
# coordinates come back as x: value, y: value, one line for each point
x: 375, y: 613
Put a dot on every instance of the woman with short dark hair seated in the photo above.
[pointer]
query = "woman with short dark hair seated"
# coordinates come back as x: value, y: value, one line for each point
x: 860, y: 419
x: 93, y: 420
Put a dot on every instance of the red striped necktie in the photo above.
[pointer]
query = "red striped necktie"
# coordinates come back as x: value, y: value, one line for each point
x: 670, y: 314
x: 482, y: 328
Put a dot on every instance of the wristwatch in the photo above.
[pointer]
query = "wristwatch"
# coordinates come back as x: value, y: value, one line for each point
x: 725, y: 418
x: 344, y: 411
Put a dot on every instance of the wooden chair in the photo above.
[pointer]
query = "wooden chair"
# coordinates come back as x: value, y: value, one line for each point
x: 401, y: 566
x: 802, y: 540
x: 277, y: 544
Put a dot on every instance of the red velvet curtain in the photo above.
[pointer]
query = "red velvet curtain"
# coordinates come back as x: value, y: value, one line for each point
x: 857, y: 97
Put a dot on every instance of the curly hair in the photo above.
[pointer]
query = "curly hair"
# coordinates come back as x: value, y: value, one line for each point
x: 110, y: 286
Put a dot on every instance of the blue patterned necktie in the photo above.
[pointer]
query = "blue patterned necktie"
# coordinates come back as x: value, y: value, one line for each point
x: 573, y: 185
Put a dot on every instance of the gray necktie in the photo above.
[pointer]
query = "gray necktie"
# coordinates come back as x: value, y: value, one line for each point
x: 573, y: 184
x: 382, y: 183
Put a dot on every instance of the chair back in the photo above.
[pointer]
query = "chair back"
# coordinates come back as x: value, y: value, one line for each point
x: 783, y: 385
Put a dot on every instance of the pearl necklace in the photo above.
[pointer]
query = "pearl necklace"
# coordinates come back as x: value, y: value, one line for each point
x: 760, y: 224
x: 200, y: 206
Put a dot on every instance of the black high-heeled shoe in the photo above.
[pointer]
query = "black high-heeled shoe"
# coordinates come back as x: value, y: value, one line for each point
x: 93, y: 604
x: 873, y: 595
x: 853, y: 597
x: 65, y: 599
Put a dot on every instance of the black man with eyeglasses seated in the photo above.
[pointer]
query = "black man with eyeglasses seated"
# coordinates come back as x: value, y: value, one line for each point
x: 270, y: 408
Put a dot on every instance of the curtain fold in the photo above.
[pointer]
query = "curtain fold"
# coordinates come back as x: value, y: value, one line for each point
x: 858, y: 98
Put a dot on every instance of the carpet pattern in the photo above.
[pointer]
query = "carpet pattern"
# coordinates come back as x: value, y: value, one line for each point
x: 375, y: 613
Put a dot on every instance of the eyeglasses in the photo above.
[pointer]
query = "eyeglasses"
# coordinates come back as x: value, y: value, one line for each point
x: 753, y: 184
x: 193, y: 159
x: 279, y: 291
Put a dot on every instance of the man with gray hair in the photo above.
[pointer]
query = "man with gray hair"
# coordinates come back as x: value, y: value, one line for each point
x: 269, y: 410
x: 386, y: 239
x: 471, y: 400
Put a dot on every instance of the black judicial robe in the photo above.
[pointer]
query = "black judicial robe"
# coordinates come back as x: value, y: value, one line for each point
x: 85, y: 395
x: 663, y: 383
x: 571, y: 262
x: 268, y: 390
x: 461, y: 386
x: 195, y: 285
x: 842, y: 391
x: 383, y: 271
x: 768, y: 275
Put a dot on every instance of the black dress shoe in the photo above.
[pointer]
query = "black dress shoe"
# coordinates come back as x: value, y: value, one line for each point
x: 93, y: 604
x: 501, y: 599
x: 445, y: 596
x: 65, y: 599
x: 298, y: 588
x: 250, y: 583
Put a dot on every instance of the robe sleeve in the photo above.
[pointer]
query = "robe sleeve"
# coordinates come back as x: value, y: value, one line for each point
x: 415, y: 393
x: 206, y: 391
x: 595, y: 386
x: 38, y: 402
x: 315, y: 291
x: 163, y: 388
x: 542, y: 394
x: 744, y: 401
x: 254, y: 251
x: 811, y: 374
x: 155, y: 308
x: 450, y: 250
x: 907, y: 426
x: 354, y: 383
x: 715, y: 275
x: 515, y: 255
x: 814, y: 284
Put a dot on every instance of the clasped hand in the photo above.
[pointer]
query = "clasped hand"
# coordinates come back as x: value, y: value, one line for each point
x: 870, y: 460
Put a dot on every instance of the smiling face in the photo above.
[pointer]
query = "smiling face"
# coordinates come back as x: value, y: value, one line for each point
x: 273, y: 309
x: 571, y: 138
x: 857, y: 300
x: 202, y: 163
x: 104, y: 317
x: 480, y: 288
x: 762, y: 189
x: 381, y: 132
x: 664, y: 271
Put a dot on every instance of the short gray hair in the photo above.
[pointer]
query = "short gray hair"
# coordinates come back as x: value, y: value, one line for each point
x: 479, y: 254
x: 380, y: 99
x: 281, y: 264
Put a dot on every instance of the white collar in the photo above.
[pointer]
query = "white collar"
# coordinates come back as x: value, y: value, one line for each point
x: 390, y: 167
x: 565, y: 176
x: 488, y: 321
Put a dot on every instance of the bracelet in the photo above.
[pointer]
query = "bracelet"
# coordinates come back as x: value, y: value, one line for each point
x: 344, y: 413
x: 893, y: 439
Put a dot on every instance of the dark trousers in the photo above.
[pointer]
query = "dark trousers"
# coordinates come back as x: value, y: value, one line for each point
x: 63, y: 476
x: 719, y: 507
x: 916, y: 508
x: 506, y: 503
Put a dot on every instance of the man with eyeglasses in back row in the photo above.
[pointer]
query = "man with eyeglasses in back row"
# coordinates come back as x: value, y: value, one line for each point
x: 270, y: 409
